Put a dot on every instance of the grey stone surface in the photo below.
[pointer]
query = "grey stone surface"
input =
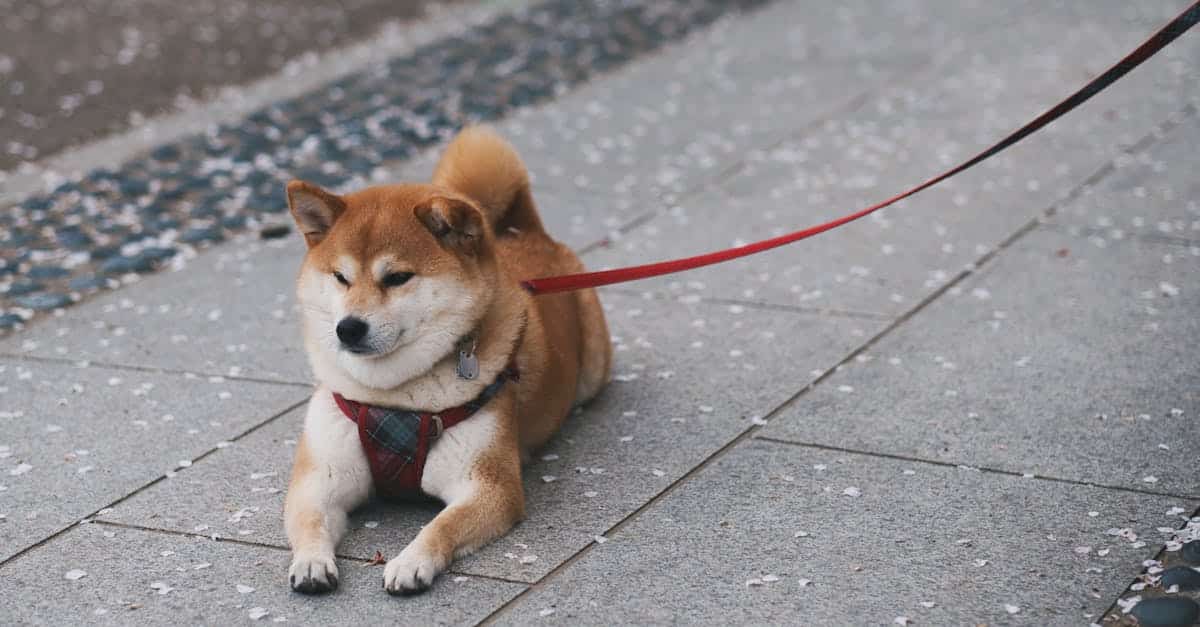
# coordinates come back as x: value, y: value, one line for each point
x: 723, y: 549
x: 149, y: 578
x: 888, y: 262
x: 1154, y: 194
x: 690, y: 378
x: 75, y: 439
x: 225, y: 312
x: 1062, y: 358
x: 674, y: 121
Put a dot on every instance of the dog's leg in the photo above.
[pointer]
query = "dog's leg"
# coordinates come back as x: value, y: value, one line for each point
x: 596, y: 348
x: 330, y: 477
x: 476, y: 470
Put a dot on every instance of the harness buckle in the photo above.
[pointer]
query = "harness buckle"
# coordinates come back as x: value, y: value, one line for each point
x: 438, y: 426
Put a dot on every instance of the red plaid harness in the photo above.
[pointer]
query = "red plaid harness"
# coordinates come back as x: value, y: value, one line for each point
x: 397, y: 441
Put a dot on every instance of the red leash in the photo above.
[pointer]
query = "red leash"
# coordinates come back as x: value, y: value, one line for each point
x: 569, y: 282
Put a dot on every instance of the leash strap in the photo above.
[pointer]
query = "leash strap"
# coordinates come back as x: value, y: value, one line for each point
x: 570, y: 282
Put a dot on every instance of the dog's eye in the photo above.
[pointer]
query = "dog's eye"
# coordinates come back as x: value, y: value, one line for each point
x: 395, y: 279
x: 341, y: 279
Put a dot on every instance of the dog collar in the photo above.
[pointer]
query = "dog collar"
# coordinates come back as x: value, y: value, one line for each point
x: 468, y: 363
x: 397, y: 441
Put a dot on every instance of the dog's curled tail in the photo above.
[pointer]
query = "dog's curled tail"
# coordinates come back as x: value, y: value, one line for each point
x: 484, y: 167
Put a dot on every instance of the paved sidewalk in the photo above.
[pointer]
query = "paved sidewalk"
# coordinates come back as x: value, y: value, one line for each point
x: 977, y: 407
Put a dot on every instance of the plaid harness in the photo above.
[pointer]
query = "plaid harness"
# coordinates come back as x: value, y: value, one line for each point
x: 397, y: 441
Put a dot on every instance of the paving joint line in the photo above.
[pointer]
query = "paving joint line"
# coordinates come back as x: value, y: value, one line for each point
x: 758, y: 304
x: 1149, y: 238
x: 149, y: 369
x: 153, y: 482
x: 969, y: 467
x: 1108, y: 167
x: 275, y: 547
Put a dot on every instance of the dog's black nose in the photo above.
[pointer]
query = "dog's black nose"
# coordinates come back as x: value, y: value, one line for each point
x: 351, y: 330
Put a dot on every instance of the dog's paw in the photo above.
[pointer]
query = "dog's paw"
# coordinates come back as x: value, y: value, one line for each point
x: 411, y: 572
x: 313, y: 573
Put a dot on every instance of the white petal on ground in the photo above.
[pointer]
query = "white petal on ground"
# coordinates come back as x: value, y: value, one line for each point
x: 1127, y: 604
x: 73, y: 575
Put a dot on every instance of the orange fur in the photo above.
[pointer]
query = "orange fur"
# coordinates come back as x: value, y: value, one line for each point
x: 469, y: 237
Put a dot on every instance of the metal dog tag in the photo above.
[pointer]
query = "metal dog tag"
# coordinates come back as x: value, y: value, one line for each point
x: 468, y: 364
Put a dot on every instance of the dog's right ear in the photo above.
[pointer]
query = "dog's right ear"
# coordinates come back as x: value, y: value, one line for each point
x: 314, y: 210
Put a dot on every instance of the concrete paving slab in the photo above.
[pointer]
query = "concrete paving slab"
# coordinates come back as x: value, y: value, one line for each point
x: 1067, y: 357
x: 777, y: 534
x: 689, y: 379
x: 226, y: 312
x: 104, y: 575
x: 890, y: 261
x: 1154, y: 194
x: 75, y: 439
x: 675, y: 120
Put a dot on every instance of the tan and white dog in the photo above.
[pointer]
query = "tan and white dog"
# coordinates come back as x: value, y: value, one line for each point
x: 395, y: 278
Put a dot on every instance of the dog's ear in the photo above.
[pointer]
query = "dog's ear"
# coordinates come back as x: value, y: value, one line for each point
x: 455, y: 224
x: 314, y: 209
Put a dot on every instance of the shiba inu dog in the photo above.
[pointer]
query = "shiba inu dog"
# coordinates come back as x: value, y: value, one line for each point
x: 435, y: 368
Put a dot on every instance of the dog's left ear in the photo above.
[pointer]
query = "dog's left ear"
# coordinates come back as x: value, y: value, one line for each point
x: 314, y: 210
x: 455, y: 224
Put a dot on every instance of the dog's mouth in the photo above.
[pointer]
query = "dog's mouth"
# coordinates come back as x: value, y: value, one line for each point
x: 372, y: 350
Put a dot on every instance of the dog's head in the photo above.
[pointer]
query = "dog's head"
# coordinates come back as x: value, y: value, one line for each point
x: 395, y: 276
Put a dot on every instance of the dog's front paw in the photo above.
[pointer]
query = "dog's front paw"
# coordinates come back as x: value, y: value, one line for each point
x: 411, y: 572
x: 313, y: 573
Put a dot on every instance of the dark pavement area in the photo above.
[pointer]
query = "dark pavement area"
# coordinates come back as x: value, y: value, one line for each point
x: 76, y: 70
